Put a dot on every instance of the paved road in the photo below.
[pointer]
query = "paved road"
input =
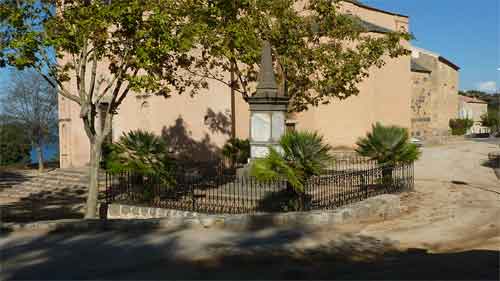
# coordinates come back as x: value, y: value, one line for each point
x: 454, y: 226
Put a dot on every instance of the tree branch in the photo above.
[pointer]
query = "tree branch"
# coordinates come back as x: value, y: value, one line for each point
x: 82, y: 72
x: 123, y: 69
x: 238, y: 73
x: 93, y: 77
x: 213, y: 77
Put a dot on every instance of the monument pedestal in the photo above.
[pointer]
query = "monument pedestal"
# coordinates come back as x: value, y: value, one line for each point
x: 267, y: 110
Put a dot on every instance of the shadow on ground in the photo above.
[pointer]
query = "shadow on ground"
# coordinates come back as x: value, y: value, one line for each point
x: 208, y: 254
x: 66, y: 203
x: 9, y: 178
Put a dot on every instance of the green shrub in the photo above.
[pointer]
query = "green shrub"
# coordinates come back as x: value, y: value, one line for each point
x: 141, y: 153
x: 237, y: 151
x: 304, y: 155
x: 388, y: 146
x: 459, y: 127
x: 491, y: 120
x: 286, y: 200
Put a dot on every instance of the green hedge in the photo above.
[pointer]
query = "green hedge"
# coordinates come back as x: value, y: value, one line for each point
x: 459, y: 127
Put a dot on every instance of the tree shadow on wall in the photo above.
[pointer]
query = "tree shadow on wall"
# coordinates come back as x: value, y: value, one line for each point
x: 183, y: 146
x: 218, y: 122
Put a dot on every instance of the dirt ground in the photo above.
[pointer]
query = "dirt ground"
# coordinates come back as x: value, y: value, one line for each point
x: 449, y: 230
x: 456, y: 203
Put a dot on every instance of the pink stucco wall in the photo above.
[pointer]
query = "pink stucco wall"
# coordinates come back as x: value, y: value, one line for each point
x: 385, y: 96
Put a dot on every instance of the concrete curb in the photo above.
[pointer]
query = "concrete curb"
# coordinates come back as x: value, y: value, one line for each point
x: 373, y: 209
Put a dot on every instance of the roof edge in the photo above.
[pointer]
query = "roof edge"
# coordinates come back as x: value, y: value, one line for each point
x: 375, y: 9
x: 449, y: 63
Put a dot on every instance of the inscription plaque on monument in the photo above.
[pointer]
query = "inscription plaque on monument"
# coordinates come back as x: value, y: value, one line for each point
x: 261, y: 127
x: 278, y: 125
x: 259, y: 151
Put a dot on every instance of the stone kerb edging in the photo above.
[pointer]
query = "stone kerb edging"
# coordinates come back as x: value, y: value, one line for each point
x: 121, y: 217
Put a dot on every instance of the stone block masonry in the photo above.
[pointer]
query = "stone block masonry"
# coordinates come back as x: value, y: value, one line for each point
x: 373, y: 209
x: 134, y: 218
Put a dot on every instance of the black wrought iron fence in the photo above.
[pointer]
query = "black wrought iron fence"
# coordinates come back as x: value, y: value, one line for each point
x: 228, y: 193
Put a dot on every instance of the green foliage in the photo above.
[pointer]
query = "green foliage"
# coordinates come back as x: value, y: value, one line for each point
x: 118, y: 31
x: 286, y: 200
x: 142, y: 153
x: 313, y: 42
x: 304, y: 154
x: 237, y: 150
x: 15, y: 146
x: 388, y: 145
x: 459, y: 127
x: 108, y: 49
x: 491, y: 120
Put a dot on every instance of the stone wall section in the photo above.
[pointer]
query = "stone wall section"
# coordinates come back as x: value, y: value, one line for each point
x: 372, y: 209
x: 434, y: 97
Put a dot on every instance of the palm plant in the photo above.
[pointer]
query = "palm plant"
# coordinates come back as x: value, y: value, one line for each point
x: 142, y: 153
x: 302, y: 155
x: 237, y: 151
x: 388, y: 145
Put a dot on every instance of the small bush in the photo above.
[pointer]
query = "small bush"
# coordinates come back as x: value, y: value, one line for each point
x: 388, y: 145
x: 237, y: 151
x: 286, y: 200
x: 303, y: 155
x: 143, y: 154
x: 491, y: 120
x: 459, y: 127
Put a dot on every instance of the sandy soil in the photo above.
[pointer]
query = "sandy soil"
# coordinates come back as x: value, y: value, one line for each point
x: 456, y: 203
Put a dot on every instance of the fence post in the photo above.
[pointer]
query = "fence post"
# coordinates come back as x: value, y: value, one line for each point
x: 412, y: 172
x: 364, y: 184
x: 193, y: 197
x: 106, y: 189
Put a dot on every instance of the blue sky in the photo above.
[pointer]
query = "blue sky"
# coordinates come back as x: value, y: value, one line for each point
x: 463, y: 31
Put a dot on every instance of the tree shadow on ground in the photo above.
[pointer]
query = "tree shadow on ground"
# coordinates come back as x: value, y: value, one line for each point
x: 65, y: 203
x: 191, y: 253
x: 11, y: 178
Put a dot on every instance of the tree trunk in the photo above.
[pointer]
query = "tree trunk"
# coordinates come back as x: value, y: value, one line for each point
x: 233, y: 104
x: 39, y: 155
x: 93, y: 191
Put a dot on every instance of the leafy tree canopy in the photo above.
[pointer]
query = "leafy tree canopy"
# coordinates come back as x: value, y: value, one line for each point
x: 139, y: 45
x: 14, y: 144
x: 319, y: 51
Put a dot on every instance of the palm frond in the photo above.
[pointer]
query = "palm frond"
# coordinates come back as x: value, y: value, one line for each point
x: 304, y: 155
x: 388, y: 144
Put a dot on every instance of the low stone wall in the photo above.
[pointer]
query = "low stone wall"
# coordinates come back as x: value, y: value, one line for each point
x: 130, y: 218
x: 373, y: 209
